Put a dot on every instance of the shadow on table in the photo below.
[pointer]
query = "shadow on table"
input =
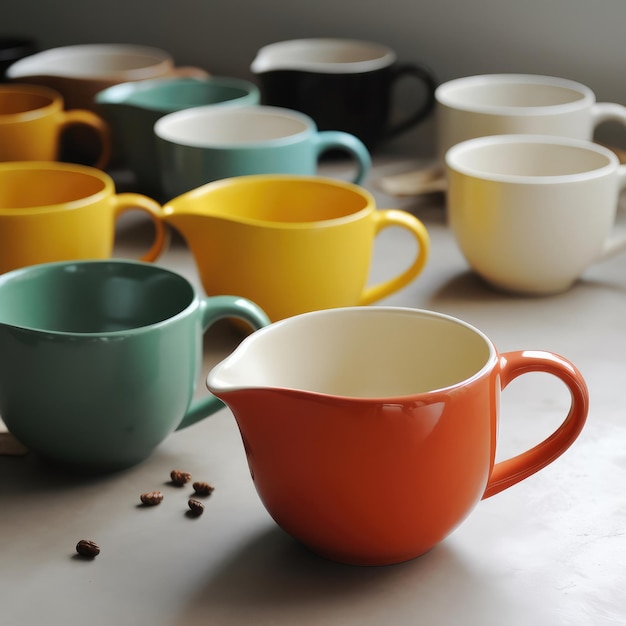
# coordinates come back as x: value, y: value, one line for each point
x: 469, y: 286
x: 278, y: 581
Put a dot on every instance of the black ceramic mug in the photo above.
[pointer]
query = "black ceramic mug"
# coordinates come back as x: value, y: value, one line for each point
x: 343, y: 84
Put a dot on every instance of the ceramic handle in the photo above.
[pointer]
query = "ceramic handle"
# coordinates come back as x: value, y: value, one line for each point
x: 213, y: 309
x: 134, y: 201
x: 616, y: 244
x: 424, y: 76
x: 92, y: 120
x: 396, y: 217
x: 608, y: 111
x: 514, y: 364
x: 339, y: 140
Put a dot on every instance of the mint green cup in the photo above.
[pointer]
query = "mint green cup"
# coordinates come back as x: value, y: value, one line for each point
x: 132, y: 108
x: 99, y: 360
x: 203, y: 144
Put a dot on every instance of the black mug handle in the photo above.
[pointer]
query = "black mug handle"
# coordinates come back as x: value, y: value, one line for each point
x: 425, y: 76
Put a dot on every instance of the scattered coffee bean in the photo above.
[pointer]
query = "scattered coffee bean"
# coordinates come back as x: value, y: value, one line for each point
x: 87, y: 548
x: 152, y: 498
x: 196, y: 507
x: 180, y: 478
x: 203, y: 489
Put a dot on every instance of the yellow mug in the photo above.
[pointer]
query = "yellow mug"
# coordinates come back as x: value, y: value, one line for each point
x: 51, y: 211
x: 291, y: 243
x: 33, y: 120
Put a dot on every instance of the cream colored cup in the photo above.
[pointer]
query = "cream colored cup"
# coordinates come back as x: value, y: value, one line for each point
x: 532, y: 212
x: 501, y: 104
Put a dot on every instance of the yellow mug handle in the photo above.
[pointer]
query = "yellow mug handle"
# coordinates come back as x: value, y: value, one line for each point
x: 135, y: 201
x: 94, y: 121
x: 385, y: 218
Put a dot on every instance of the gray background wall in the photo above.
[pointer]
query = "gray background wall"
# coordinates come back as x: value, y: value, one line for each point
x: 584, y: 40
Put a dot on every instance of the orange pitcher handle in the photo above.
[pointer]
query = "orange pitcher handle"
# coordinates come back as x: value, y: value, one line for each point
x: 383, y: 218
x: 513, y: 364
x: 94, y: 121
x: 136, y: 201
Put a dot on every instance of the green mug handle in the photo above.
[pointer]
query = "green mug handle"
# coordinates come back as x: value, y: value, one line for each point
x: 212, y: 309
x: 338, y: 140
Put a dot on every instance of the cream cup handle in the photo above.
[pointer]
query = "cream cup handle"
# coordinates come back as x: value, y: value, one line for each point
x: 616, y: 243
x: 608, y: 111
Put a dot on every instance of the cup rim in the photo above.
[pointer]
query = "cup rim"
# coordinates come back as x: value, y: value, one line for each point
x: 162, y: 127
x: 383, y: 56
x: 55, y: 101
x: 108, y: 186
x: 53, y: 61
x: 251, y: 179
x: 214, y: 385
x: 22, y: 273
x: 117, y: 94
x: 444, y: 94
x: 454, y: 153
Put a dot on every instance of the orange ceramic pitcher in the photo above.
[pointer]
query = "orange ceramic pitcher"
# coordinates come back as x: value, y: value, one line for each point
x: 371, y: 432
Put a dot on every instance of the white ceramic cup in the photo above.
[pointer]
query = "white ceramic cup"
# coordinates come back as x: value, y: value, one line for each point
x: 501, y: 104
x: 532, y: 212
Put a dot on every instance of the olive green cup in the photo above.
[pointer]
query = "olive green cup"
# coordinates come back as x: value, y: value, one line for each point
x: 99, y: 360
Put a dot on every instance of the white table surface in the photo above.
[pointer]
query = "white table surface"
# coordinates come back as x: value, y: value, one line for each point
x: 549, y: 551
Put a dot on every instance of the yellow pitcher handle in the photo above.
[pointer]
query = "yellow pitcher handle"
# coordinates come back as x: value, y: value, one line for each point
x: 396, y: 217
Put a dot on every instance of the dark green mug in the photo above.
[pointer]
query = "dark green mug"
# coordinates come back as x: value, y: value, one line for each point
x: 133, y: 108
x: 99, y: 360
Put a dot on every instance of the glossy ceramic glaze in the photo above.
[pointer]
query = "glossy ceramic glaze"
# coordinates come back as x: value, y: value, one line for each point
x: 204, y: 144
x: 502, y: 104
x: 133, y: 108
x: 113, y: 350
x: 532, y: 213
x: 52, y: 211
x: 33, y: 119
x: 291, y: 243
x: 371, y: 432
x: 343, y: 84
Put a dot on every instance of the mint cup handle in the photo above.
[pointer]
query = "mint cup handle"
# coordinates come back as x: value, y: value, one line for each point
x: 326, y: 140
x: 213, y: 309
